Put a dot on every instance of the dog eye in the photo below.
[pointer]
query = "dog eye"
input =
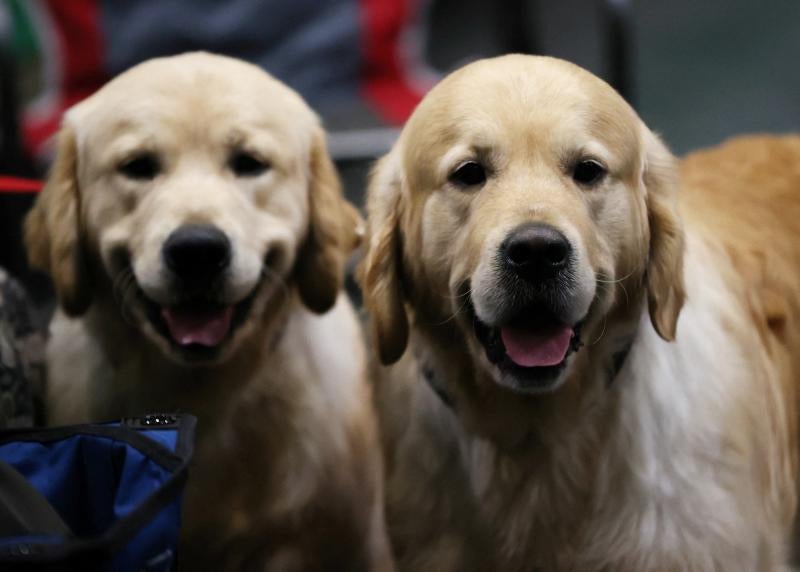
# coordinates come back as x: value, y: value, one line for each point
x: 246, y: 165
x: 588, y: 172
x: 140, y: 168
x: 468, y: 174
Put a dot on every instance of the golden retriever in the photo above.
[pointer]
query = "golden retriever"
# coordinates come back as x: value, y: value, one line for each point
x: 196, y: 233
x: 528, y: 257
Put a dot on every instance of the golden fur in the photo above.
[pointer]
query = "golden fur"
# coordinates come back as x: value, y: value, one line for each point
x: 287, y: 473
x: 683, y: 460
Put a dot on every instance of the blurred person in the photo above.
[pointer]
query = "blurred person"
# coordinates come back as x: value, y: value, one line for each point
x: 354, y: 61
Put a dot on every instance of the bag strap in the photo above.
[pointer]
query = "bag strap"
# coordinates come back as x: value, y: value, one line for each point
x: 23, y: 509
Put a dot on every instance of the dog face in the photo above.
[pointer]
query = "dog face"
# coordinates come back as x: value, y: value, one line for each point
x: 197, y: 187
x: 524, y: 199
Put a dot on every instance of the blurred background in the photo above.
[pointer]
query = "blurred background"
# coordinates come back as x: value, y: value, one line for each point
x: 697, y: 72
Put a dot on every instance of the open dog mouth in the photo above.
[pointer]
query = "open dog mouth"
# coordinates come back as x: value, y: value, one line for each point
x: 532, y: 347
x: 199, y: 326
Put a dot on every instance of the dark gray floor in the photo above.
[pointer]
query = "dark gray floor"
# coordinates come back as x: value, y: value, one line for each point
x: 710, y: 69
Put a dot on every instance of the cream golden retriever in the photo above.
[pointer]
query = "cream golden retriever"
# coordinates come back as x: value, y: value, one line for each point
x: 598, y: 373
x: 195, y: 229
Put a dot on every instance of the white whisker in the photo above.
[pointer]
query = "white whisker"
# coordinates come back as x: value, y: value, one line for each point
x: 459, y: 309
x: 601, y: 333
x: 270, y: 275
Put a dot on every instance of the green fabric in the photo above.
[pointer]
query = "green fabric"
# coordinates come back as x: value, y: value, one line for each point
x: 22, y: 41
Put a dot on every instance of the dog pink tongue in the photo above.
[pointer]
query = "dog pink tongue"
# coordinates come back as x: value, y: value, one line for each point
x: 204, y: 327
x: 528, y: 348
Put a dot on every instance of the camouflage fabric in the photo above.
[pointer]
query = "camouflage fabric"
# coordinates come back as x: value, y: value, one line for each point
x: 21, y: 357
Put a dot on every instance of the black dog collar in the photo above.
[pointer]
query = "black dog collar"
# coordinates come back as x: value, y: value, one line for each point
x: 428, y: 373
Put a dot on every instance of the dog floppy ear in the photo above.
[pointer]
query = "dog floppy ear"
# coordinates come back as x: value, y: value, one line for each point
x: 53, y: 234
x: 379, y: 274
x: 665, y: 288
x: 334, y: 231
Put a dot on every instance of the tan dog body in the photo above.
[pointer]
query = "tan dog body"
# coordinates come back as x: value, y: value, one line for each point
x: 287, y: 474
x: 683, y: 459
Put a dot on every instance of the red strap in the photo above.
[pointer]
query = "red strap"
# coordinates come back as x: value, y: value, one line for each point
x: 18, y: 185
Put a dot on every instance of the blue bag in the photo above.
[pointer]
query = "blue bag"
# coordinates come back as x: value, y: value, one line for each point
x: 103, y: 497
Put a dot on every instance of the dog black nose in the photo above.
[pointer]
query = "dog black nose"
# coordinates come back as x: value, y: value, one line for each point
x: 196, y: 252
x: 535, y: 251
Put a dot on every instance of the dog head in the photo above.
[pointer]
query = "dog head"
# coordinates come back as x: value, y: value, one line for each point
x: 522, y: 203
x: 196, y: 187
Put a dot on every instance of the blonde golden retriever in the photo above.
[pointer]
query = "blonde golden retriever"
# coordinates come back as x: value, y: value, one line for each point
x: 598, y: 373
x: 196, y: 233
